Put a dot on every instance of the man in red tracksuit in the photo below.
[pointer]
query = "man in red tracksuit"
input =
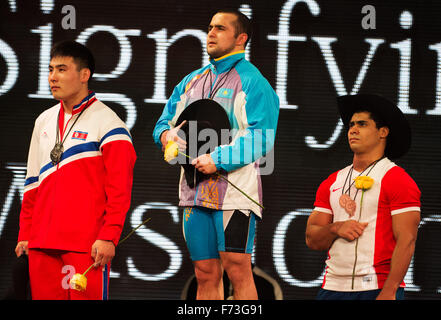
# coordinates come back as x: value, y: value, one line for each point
x: 78, y: 183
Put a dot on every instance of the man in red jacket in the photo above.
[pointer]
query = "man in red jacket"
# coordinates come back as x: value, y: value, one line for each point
x: 78, y: 183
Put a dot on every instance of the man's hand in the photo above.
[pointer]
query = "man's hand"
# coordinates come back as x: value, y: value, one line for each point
x: 321, y: 231
x: 22, y: 247
x: 102, y: 252
x: 204, y: 164
x: 350, y: 229
x: 172, y: 135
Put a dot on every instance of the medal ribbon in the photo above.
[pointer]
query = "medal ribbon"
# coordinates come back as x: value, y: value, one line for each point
x: 348, y: 190
x: 57, y: 151
x: 79, y: 108
x: 345, y: 201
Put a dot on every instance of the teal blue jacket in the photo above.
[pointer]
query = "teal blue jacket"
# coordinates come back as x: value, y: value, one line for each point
x: 252, y: 108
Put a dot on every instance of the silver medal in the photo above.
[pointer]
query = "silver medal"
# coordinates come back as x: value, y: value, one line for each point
x: 56, y: 153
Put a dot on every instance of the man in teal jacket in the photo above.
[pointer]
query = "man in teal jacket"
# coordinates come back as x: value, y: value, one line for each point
x: 219, y: 221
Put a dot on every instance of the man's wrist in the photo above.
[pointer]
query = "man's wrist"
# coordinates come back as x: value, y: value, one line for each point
x: 163, y: 138
x: 390, y: 287
x: 334, y: 227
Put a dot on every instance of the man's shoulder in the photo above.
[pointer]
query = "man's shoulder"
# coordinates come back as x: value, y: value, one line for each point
x: 99, y: 106
x: 247, y: 69
x: 251, y: 76
x: 53, y: 108
x: 397, y: 177
x: 191, y: 78
x: 396, y: 172
x: 101, y: 113
x: 49, y: 112
x: 333, y: 176
x: 391, y: 169
x: 195, y: 73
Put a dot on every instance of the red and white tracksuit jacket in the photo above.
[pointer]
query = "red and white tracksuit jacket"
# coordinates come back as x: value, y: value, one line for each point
x: 86, y: 196
x: 393, y: 192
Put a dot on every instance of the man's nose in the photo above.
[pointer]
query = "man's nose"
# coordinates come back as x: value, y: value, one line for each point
x: 353, y: 130
x: 52, y: 77
x: 211, y: 33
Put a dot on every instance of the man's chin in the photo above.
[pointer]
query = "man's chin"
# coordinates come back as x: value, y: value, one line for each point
x: 56, y: 96
x: 215, y: 54
x: 354, y: 149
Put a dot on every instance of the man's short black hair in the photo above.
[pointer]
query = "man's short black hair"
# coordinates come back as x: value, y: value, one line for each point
x: 81, y: 55
x: 379, y: 121
x: 242, y: 25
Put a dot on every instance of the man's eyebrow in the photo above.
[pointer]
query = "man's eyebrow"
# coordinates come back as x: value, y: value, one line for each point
x: 358, y: 122
x: 58, y: 66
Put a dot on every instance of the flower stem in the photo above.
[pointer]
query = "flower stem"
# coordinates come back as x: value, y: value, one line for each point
x: 88, y: 269
x: 356, y: 242
x: 355, y: 263
x: 221, y: 176
x: 125, y: 238
x: 239, y: 190
x: 133, y: 230
x: 185, y: 155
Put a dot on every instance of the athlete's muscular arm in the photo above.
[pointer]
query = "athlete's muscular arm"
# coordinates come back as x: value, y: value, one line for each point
x: 321, y: 232
x: 405, y: 229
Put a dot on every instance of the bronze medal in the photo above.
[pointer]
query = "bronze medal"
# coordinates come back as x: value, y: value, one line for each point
x: 350, y: 207
x: 343, y: 199
x: 348, y: 204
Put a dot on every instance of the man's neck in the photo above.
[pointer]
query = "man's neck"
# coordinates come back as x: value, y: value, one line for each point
x: 71, y: 102
x: 229, y: 54
x: 362, y: 161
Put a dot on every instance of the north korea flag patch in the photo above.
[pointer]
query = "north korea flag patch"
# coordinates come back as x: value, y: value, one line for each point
x: 80, y: 135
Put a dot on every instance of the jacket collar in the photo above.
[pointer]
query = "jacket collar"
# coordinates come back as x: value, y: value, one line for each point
x: 85, y: 103
x: 225, y: 62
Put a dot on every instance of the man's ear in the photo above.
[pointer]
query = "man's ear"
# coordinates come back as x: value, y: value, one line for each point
x: 241, y: 39
x: 384, y: 132
x: 85, y: 75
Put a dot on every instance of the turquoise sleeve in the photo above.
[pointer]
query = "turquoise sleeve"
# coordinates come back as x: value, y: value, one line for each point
x: 262, y: 112
x: 170, y: 109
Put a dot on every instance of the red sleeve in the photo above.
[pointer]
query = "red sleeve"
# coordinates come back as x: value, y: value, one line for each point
x: 401, y: 191
x: 119, y: 159
x: 27, y: 208
x: 30, y: 186
x: 323, y: 194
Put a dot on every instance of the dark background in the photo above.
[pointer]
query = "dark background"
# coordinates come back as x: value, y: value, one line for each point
x: 154, y: 263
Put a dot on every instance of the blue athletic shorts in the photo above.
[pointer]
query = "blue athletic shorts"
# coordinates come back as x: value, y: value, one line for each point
x: 324, y: 294
x: 208, y: 231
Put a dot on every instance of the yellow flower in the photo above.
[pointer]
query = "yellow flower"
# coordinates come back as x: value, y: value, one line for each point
x: 78, y: 282
x: 363, y: 182
x: 171, y: 151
